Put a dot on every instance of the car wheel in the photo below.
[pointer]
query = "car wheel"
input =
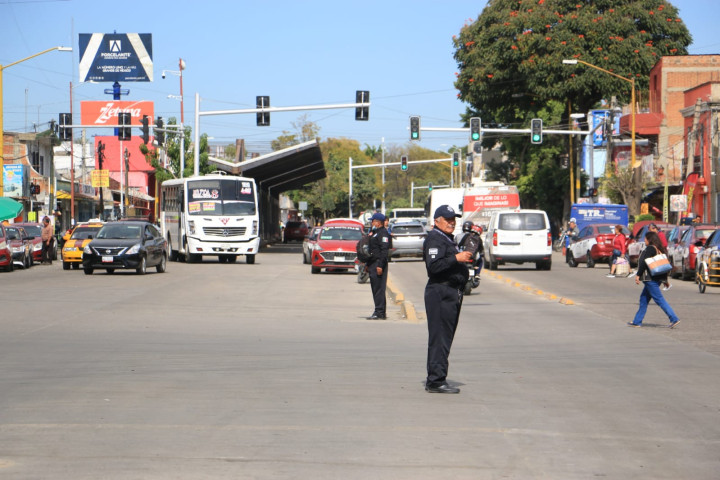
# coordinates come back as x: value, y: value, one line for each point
x: 173, y: 253
x: 88, y: 271
x: 66, y: 266
x: 162, y: 265
x: 250, y: 258
x: 571, y: 260
x: 142, y: 269
x: 590, y: 261
x: 314, y: 270
x: 492, y: 264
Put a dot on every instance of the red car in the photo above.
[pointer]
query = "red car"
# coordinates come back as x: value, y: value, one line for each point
x: 309, y: 244
x: 335, y: 247
x: 5, y: 253
x: 34, y: 230
x: 295, y: 231
x: 593, y: 244
x: 685, y: 258
x: 20, y: 245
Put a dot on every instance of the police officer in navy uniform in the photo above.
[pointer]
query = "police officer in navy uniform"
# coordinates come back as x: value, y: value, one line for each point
x: 447, y: 273
x: 378, y: 264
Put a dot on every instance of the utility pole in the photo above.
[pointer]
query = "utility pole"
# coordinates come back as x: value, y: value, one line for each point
x: 127, y: 167
x: 382, y: 147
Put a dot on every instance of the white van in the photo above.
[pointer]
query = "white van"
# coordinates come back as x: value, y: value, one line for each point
x: 519, y: 236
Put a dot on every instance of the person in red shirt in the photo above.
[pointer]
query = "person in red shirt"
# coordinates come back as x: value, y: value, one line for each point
x: 653, y: 228
x: 619, y: 249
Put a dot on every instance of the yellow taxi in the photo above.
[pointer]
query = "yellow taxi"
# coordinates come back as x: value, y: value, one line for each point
x: 80, y: 236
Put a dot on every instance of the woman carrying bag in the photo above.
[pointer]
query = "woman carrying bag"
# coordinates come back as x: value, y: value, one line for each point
x: 652, y: 282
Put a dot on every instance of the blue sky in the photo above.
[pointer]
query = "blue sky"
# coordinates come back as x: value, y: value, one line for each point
x: 297, y: 52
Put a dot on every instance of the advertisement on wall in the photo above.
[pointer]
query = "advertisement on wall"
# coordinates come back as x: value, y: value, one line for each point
x: 116, y: 57
x: 106, y: 112
x: 14, y: 180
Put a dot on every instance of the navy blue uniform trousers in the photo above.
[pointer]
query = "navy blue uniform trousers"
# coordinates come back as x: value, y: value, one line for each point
x: 378, y: 284
x: 442, y: 306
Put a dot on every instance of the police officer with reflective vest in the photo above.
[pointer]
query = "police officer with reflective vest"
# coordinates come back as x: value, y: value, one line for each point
x: 378, y: 264
x: 447, y: 273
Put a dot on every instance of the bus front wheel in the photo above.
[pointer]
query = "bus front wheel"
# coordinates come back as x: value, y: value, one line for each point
x: 250, y: 258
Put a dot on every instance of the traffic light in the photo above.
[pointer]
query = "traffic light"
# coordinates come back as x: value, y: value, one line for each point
x: 263, y: 118
x: 145, y: 129
x: 429, y: 186
x: 404, y: 163
x: 159, y: 134
x: 475, y: 129
x: 362, y: 113
x: 124, y: 129
x: 414, y: 128
x: 65, y: 133
x: 456, y: 159
x: 536, y: 130
x: 477, y: 147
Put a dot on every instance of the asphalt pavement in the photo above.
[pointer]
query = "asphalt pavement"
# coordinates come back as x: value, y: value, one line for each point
x: 267, y: 371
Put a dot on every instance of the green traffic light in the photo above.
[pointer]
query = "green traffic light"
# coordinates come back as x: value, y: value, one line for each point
x: 536, y: 138
x: 414, y: 135
x: 475, y: 136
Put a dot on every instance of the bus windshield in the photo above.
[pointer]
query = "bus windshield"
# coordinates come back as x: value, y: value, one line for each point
x: 221, y: 197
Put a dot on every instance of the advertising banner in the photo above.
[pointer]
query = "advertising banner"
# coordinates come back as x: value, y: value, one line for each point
x: 100, y: 178
x: 106, y: 112
x: 116, y: 57
x: 13, y: 180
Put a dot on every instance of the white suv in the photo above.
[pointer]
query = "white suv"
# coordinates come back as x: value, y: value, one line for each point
x: 519, y: 236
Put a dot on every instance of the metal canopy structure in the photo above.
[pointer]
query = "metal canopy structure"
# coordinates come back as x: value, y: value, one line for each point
x: 282, y: 170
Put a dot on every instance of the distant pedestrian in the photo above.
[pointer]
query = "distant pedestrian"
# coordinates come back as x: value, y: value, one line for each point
x: 46, y: 235
x: 378, y: 265
x: 653, y: 228
x: 651, y: 288
x: 447, y: 274
x: 619, y: 249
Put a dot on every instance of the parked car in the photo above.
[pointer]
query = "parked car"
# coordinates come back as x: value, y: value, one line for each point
x: 636, y: 247
x: 593, y: 244
x: 519, y: 236
x: 73, y: 247
x: 407, y: 238
x: 127, y: 244
x: 33, y: 229
x: 295, y: 231
x: 708, y: 262
x: 685, y: 254
x: 6, y: 262
x: 673, y: 239
x: 20, y: 246
x: 335, y: 247
x: 309, y: 243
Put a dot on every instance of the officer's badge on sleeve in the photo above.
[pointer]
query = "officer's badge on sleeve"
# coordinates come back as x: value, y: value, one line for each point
x: 385, y: 239
x: 432, y: 252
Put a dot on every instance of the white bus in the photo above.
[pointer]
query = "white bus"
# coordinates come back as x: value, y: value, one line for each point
x: 214, y: 214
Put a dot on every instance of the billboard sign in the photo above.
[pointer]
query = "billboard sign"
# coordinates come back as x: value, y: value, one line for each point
x: 116, y: 57
x: 106, y: 112
x: 14, y: 180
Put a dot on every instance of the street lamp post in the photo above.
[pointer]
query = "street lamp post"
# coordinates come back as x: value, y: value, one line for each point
x: 632, y: 102
x: 179, y: 73
x: 2, y: 126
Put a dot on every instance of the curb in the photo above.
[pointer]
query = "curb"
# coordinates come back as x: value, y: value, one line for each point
x: 407, y: 308
x: 529, y: 288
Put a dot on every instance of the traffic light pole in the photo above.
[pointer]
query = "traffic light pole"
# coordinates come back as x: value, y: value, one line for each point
x: 505, y: 130
x: 198, y: 114
x: 382, y: 165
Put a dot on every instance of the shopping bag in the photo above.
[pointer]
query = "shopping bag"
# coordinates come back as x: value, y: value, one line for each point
x: 622, y: 269
x: 658, y: 264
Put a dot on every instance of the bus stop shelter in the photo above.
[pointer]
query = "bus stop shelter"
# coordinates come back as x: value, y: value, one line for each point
x: 275, y: 173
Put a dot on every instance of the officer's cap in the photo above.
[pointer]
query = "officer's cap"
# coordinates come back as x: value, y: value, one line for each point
x: 446, y: 211
x: 377, y: 216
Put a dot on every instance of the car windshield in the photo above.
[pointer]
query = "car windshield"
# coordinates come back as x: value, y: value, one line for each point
x: 704, y: 233
x: 33, y: 230
x: 408, y: 229
x: 341, y: 233
x: 605, y: 230
x: 522, y: 221
x: 221, y: 197
x: 120, y: 231
x: 12, y: 233
x: 83, y: 233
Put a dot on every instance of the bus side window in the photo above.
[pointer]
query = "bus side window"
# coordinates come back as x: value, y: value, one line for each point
x: 181, y: 203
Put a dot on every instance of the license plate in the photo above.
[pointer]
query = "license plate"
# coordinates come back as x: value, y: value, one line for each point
x: 107, y: 259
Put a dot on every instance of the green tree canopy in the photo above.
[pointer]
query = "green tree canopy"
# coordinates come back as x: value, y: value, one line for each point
x: 517, y: 46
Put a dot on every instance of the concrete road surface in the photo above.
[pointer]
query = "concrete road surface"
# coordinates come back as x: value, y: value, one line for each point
x: 266, y: 371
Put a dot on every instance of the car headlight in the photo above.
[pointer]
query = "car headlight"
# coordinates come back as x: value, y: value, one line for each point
x: 18, y: 249
x: 191, y: 227
x: 317, y: 248
x: 37, y: 246
x: 134, y: 249
x: 68, y: 249
x: 87, y: 250
x: 254, y: 227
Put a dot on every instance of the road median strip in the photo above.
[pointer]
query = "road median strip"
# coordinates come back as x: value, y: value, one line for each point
x: 528, y: 288
x: 407, y: 308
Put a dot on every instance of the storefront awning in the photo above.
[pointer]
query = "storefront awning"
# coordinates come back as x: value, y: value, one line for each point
x: 282, y: 170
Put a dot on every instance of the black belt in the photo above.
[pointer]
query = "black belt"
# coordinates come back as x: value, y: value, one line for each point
x: 446, y: 283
